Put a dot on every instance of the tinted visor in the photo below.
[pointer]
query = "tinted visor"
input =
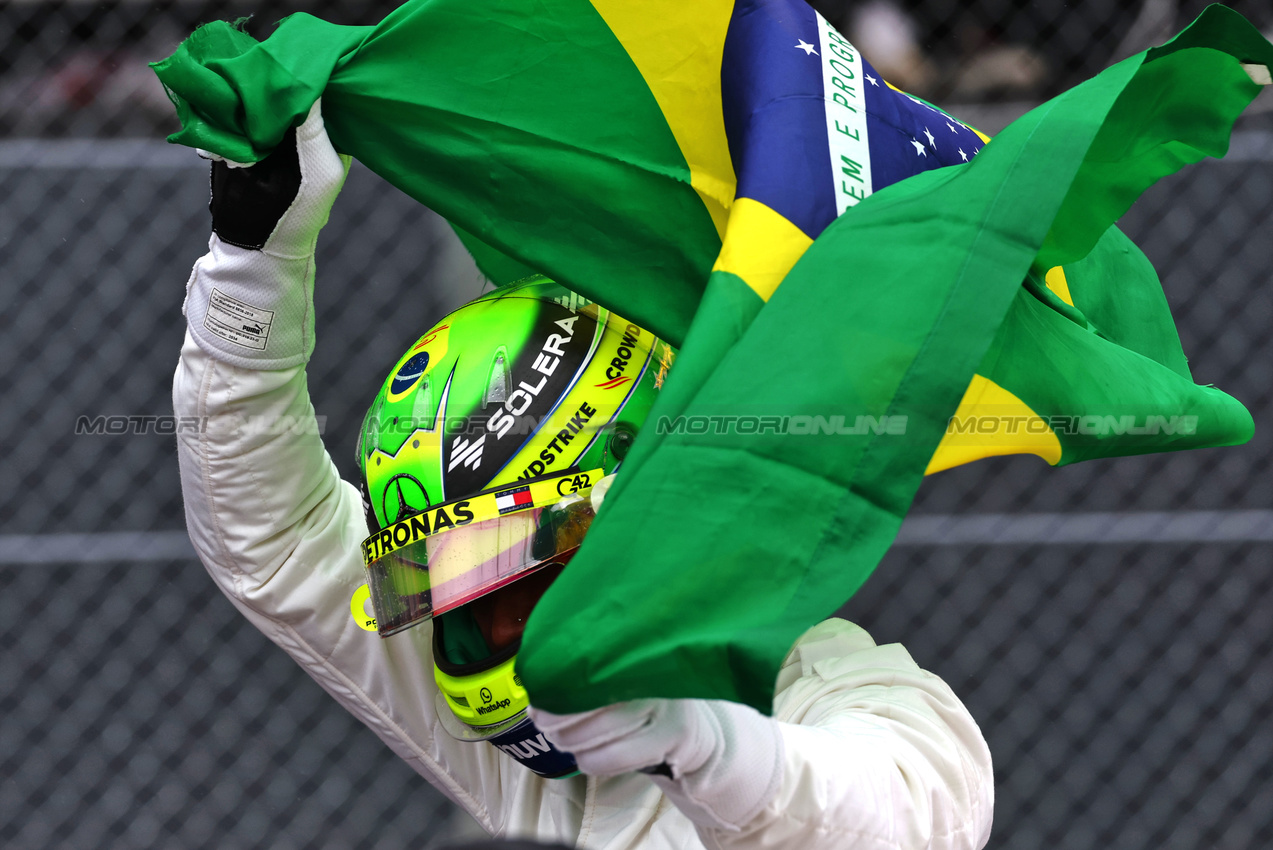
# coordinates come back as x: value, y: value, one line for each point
x: 456, y: 552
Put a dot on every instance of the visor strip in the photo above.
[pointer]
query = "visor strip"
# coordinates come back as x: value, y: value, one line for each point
x: 484, y: 506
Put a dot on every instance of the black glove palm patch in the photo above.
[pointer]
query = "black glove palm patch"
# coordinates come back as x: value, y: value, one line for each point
x: 247, y: 203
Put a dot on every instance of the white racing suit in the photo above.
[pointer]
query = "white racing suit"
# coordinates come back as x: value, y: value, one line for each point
x: 873, y: 752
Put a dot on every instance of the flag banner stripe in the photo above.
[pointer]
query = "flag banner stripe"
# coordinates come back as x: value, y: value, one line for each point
x: 843, y: 75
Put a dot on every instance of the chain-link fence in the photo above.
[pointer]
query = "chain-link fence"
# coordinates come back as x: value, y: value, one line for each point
x: 1108, y: 624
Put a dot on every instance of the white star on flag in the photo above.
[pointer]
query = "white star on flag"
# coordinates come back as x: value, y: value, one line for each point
x: 806, y: 47
x: 872, y: 80
x: 963, y: 155
x: 932, y: 143
x: 919, y: 147
x: 952, y: 127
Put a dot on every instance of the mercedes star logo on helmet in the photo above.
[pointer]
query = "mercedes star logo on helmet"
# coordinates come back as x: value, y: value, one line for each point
x: 404, y: 496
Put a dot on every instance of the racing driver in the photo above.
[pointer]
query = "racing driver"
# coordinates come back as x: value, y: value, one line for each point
x: 485, y: 456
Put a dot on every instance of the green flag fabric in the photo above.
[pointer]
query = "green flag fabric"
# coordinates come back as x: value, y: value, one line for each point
x: 862, y: 289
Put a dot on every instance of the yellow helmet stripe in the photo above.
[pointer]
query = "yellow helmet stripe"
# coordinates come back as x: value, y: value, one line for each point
x: 614, y: 370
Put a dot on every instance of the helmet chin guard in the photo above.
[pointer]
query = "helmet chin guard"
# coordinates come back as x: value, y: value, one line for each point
x: 485, y: 701
x: 517, y: 737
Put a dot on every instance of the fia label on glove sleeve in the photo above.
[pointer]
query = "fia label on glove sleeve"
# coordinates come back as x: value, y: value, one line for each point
x: 238, y: 322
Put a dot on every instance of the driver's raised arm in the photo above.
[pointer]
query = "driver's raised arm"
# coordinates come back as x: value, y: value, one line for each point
x: 269, y: 516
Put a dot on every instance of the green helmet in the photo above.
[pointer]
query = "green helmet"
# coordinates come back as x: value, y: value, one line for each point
x: 483, y: 457
x: 525, y: 381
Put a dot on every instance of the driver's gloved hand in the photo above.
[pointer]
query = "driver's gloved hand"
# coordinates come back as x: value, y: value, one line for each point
x: 719, y: 762
x: 249, y: 300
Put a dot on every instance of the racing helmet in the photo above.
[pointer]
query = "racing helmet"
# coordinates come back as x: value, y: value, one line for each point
x: 484, y: 458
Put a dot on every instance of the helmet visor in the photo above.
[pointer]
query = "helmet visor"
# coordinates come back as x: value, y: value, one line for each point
x: 456, y: 552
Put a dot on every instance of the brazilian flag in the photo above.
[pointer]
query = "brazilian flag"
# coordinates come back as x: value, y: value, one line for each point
x: 862, y: 287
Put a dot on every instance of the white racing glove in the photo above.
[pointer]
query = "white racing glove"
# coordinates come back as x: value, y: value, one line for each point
x: 249, y: 300
x: 719, y: 762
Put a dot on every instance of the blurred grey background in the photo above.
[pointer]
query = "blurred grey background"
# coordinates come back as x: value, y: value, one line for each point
x: 1108, y: 624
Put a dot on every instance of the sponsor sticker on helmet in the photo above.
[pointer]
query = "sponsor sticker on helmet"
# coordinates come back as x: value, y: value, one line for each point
x: 467, y: 452
x: 358, y: 607
x: 508, y: 501
x: 623, y: 355
x: 558, y: 442
x: 403, y: 496
x: 478, y: 508
x: 480, y: 443
x: 614, y: 370
x: 544, y: 366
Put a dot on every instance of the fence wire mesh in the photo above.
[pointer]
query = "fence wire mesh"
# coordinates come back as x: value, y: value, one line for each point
x: 1123, y: 682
